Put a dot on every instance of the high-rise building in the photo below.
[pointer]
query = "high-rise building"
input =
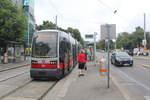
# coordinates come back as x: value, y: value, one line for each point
x: 28, y: 6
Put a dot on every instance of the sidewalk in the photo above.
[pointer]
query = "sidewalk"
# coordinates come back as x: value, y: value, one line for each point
x: 13, y: 65
x: 92, y: 86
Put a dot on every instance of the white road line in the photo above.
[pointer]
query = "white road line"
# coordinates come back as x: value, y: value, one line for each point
x: 133, y: 80
x: 126, y: 96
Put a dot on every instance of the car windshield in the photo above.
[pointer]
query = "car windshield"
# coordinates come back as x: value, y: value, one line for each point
x: 122, y: 54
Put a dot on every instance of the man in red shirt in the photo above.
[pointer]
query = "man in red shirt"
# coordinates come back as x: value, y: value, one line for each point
x: 82, y: 62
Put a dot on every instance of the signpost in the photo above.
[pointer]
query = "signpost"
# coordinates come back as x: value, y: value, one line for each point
x: 92, y: 36
x: 89, y: 36
x: 108, y: 32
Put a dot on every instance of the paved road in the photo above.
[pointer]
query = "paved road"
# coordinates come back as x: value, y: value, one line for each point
x: 134, y: 81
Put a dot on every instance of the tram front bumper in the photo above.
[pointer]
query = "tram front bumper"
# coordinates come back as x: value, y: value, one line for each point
x: 45, y: 73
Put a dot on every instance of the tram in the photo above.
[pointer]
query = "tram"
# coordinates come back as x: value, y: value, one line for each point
x: 54, y: 54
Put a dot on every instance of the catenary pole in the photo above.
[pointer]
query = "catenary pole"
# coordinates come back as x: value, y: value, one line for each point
x: 145, y: 42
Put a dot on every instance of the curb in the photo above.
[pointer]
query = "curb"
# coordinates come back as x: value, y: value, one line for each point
x: 121, y: 89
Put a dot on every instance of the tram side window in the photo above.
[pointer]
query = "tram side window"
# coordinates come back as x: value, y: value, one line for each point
x: 62, y: 48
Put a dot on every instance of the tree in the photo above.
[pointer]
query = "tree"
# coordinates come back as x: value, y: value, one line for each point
x: 129, y: 41
x: 13, y: 22
x: 47, y: 25
x: 101, y: 44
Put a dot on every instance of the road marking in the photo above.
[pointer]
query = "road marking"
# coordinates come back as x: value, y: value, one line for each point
x: 133, y: 80
x: 126, y: 96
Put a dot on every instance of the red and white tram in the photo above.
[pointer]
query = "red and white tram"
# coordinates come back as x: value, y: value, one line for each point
x: 54, y: 54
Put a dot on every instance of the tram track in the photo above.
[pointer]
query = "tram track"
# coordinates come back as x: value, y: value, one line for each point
x: 9, y: 74
x: 14, y: 90
x: 33, y: 89
x: 18, y: 82
x: 9, y: 68
x: 5, y: 79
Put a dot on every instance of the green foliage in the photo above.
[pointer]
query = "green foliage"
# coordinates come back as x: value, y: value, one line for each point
x: 47, y: 25
x: 13, y: 22
x: 129, y: 41
x: 101, y: 44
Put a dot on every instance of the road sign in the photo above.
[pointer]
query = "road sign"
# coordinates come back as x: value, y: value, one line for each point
x: 143, y: 42
x: 89, y: 36
x: 108, y: 31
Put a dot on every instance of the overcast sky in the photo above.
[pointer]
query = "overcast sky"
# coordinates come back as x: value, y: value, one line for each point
x: 88, y: 15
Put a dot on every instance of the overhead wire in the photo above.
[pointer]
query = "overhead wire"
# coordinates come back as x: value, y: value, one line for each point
x: 60, y: 14
x: 112, y: 9
x: 115, y: 11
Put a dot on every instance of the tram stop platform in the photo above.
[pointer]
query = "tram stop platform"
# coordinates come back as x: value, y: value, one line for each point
x: 91, y: 86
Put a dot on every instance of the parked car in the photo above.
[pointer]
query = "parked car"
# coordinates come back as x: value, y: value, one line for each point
x: 121, y: 58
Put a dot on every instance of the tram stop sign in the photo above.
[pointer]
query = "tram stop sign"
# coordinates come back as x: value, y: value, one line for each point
x: 108, y: 31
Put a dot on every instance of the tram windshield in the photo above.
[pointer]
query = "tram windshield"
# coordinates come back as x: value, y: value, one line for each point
x: 44, y: 45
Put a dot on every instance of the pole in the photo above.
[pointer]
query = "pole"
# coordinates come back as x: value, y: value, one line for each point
x: 115, y: 44
x: 145, y: 31
x: 108, y: 55
x: 56, y: 21
x: 28, y: 27
x: 95, y: 47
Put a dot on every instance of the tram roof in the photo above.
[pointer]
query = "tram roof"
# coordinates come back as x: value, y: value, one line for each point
x: 49, y: 30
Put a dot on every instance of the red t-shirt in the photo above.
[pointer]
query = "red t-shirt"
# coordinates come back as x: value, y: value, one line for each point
x: 81, y: 58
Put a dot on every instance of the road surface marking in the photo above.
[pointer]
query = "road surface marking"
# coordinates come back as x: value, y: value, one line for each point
x: 126, y: 96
